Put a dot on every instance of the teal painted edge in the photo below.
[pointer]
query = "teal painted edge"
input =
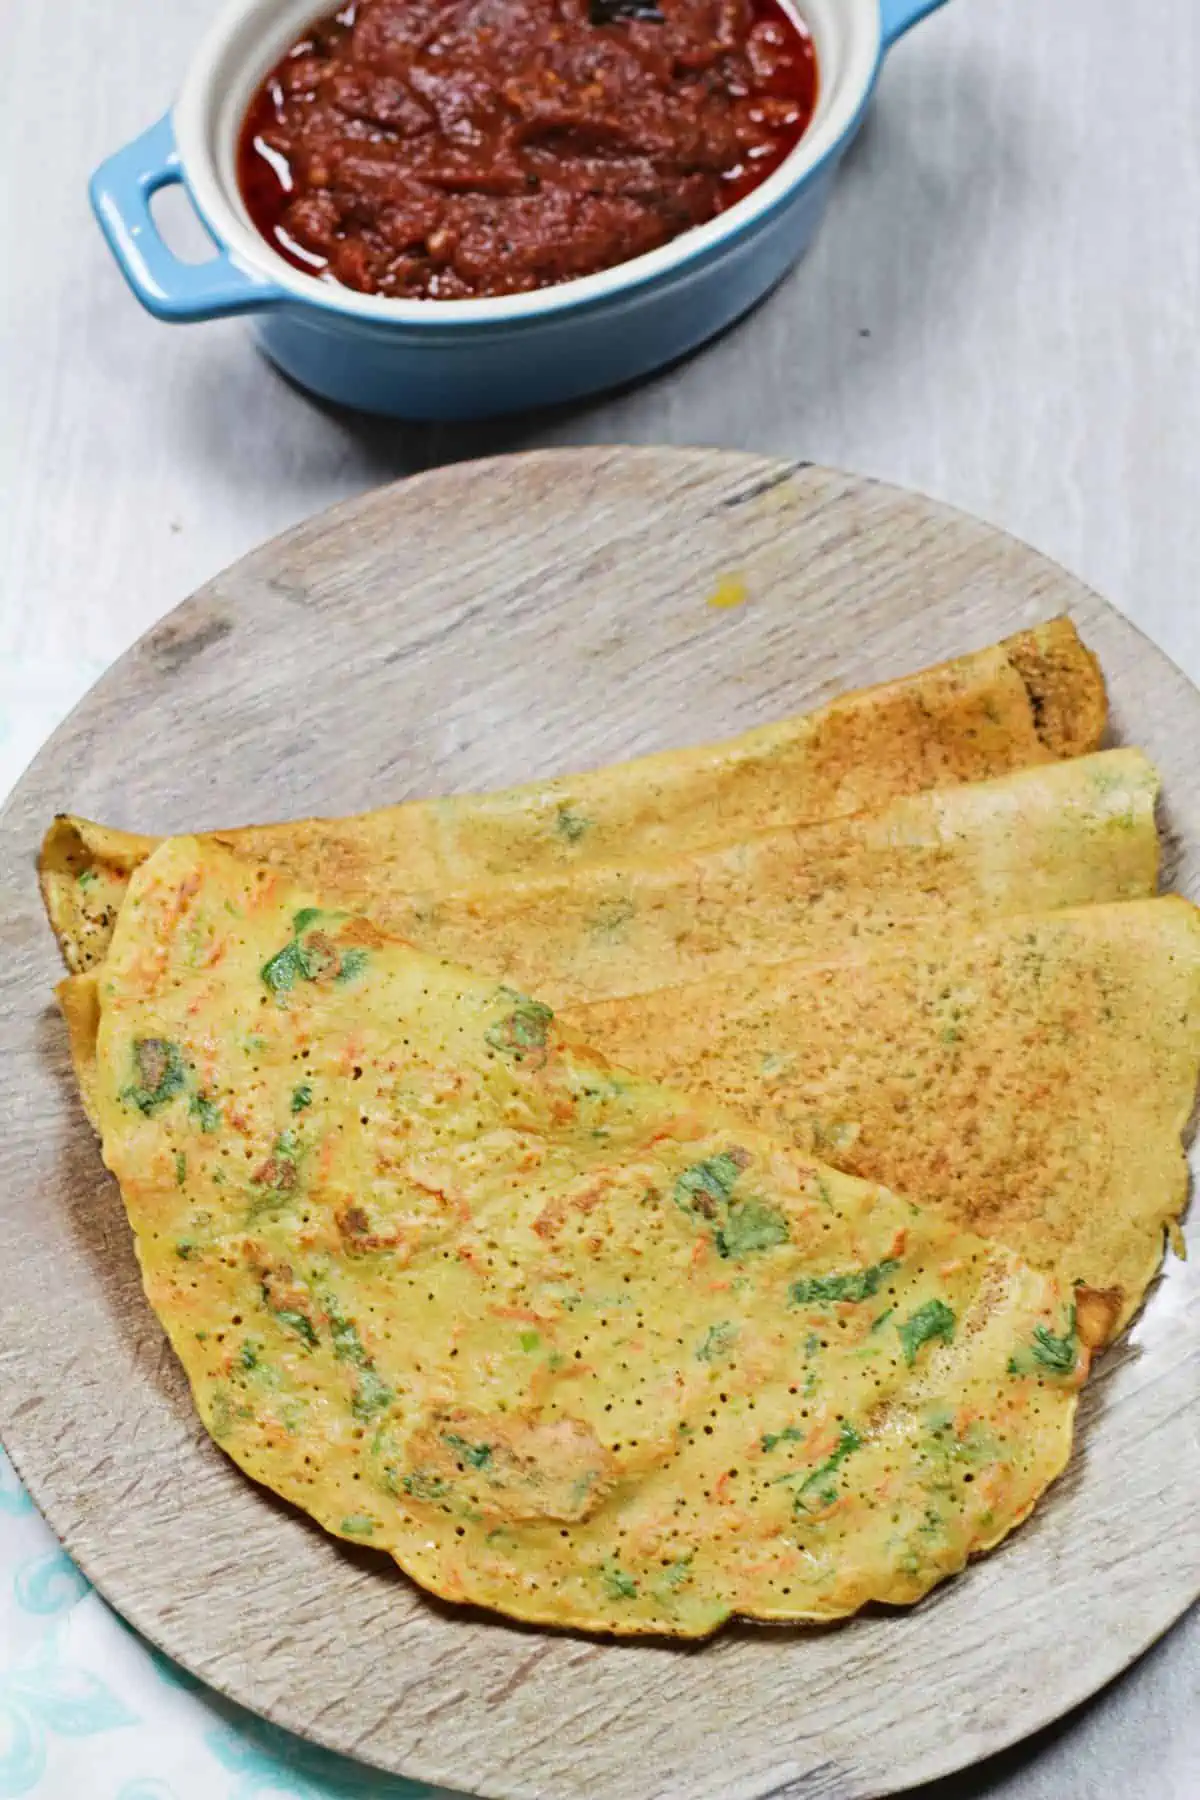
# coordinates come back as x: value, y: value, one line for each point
x: 121, y: 191
x: 899, y: 16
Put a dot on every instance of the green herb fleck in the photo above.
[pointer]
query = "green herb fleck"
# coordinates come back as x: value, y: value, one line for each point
x: 750, y: 1227
x: 929, y: 1322
x: 311, y: 960
x: 206, y: 1112
x: 184, y: 1248
x: 613, y: 916
x: 618, y: 1585
x: 1049, y: 1354
x: 278, y: 1176
x: 180, y: 1168
x: 222, y: 1414
x: 678, y: 1572
x: 476, y: 1456
x: 581, y: 1488
x: 283, y: 969
x: 160, y: 1075
x: 358, y: 1525
x: 298, y: 1322
x: 718, y: 1341
x: 301, y: 1097
x: 250, y: 1354
x: 710, y: 1181
x: 86, y: 878
x: 529, y: 1340
x: 791, y: 1434
x: 855, y: 1286
x: 423, y: 1485
x: 819, y: 1489
x: 878, y: 1324
x: 932, y: 1525
x: 352, y: 964
x: 347, y: 1344
x: 523, y: 1029
x: 371, y: 1394
x: 571, y: 825
x: 944, y: 1448
x: 741, y: 1227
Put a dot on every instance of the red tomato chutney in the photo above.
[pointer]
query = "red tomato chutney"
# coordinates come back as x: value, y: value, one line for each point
x: 455, y: 149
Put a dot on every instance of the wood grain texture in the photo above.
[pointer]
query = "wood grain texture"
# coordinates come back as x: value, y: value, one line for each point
x: 476, y: 626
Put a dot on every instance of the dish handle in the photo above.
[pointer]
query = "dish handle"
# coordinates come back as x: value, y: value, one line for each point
x: 120, y: 192
x: 899, y: 15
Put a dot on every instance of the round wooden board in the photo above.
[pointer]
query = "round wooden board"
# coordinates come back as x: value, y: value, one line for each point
x: 472, y: 627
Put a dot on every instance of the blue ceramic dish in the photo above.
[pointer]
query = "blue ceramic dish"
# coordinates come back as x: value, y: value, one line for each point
x: 467, y: 359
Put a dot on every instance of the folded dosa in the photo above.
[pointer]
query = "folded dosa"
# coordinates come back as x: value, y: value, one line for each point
x: 1032, y: 1080
x: 1034, y: 698
x: 566, y: 1344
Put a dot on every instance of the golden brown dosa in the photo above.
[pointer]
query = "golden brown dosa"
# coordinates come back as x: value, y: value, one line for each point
x: 1069, y: 834
x: 566, y: 1344
x: 1032, y: 1080
x: 1036, y: 697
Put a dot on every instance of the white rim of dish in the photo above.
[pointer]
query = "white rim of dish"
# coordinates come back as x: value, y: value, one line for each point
x: 249, y: 36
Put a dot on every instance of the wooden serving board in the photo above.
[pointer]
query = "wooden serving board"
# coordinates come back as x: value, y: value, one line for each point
x: 472, y: 627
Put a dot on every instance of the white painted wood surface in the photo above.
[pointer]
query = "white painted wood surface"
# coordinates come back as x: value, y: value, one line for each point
x: 1017, y: 232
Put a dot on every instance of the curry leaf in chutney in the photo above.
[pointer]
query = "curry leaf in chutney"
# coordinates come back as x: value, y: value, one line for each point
x: 612, y: 12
